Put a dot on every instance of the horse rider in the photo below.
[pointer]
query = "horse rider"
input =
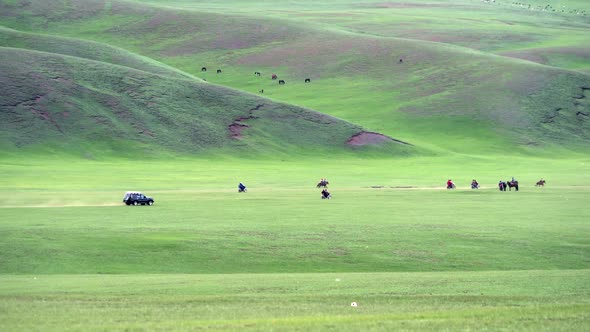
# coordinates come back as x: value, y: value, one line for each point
x: 450, y: 184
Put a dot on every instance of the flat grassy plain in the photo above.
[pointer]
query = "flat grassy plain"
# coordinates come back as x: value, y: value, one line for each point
x: 413, y: 255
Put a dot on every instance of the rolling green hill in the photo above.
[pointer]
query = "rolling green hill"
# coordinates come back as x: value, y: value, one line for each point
x: 441, y: 98
x: 80, y: 105
x: 87, y: 50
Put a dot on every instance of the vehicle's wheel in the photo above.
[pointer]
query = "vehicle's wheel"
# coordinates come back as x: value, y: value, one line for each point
x: 135, y: 203
x: 150, y: 203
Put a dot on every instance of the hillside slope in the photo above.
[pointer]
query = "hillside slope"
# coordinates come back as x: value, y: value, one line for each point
x: 441, y: 97
x: 87, y: 50
x: 77, y: 104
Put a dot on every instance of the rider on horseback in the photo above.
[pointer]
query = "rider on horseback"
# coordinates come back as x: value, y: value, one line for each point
x: 450, y: 184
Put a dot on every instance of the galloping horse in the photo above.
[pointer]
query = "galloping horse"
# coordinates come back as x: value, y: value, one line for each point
x: 323, y: 184
x: 512, y: 184
x: 540, y: 183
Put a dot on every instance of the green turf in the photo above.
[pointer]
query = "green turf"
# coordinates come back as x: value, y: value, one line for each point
x: 524, y: 301
x: 206, y: 257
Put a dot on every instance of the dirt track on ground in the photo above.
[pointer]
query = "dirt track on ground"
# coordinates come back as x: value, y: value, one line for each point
x: 267, y: 190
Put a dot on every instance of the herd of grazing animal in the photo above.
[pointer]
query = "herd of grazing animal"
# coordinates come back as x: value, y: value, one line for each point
x: 275, y: 77
x: 257, y: 73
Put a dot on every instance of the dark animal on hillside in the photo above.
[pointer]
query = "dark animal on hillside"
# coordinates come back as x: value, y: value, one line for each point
x: 281, y: 82
x: 261, y: 91
x: 502, y: 186
x: 512, y: 184
x: 274, y: 76
x: 307, y: 80
x: 401, y: 60
x: 257, y: 73
x: 540, y: 183
x: 219, y: 71
x: 326, y: 194
x: 323, y: 184
x: 204, y: 69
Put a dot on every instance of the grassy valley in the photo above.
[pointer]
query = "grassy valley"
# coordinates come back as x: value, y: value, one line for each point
x: 102, y: 97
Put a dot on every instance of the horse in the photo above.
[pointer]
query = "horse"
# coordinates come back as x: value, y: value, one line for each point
x: 502, y: 186
x: 204, y: 69
x: 282, y: 82
x: 274, y: 76
x: 307, y: 80
x: 257, y: 73
x: 512, y: 184
x: 219, y: 71
x: 326, y: 194
x: 323, y: 184
x: 540, y: 183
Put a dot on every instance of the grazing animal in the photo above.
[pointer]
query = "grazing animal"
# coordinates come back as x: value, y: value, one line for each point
x: 257, y: 73
x: 401, y: 60
x: 219, y: 71
x: 540, y: 183
x: 281, y: 82
x: 512, y: 184
x: 204, y: 69
x: 274, y: 76
x: 307, y: 80
x: 323, y: 184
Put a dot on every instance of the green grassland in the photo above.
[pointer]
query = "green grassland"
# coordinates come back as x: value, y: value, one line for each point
x: 524, y: 301
x: 100, y: 97
x: 414, y: 255
x: 440, y: 96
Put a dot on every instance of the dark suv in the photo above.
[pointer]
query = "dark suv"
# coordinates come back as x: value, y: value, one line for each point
x: 137, y: 198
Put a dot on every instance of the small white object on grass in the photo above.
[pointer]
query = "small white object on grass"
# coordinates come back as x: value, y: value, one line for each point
x: 354, y: 304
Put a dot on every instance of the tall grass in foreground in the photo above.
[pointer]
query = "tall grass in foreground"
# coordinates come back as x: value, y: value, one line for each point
x: 515, y: 300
